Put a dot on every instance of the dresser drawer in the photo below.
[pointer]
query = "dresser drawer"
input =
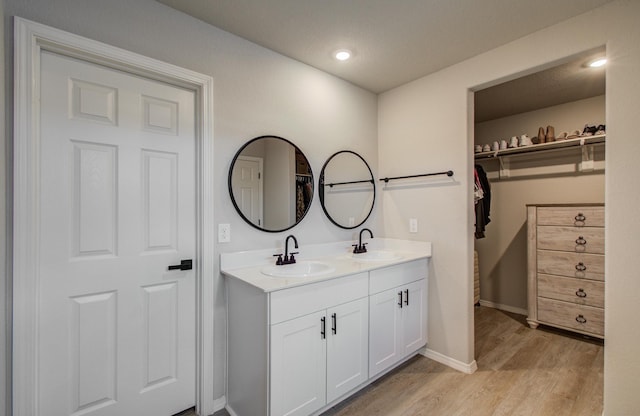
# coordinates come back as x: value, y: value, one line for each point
x: 588, y: 216
x: 571, y: 316
x: 569, y: 289
x: 575, y: 239
x: 565, y: 263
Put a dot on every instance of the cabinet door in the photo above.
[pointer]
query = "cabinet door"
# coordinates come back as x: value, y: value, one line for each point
x: 384, y: 330
x: 298, y: 365
x: 413, y: 317
x: 347, y: 347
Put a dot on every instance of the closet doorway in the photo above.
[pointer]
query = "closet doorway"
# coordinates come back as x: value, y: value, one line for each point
x: 564, y: 166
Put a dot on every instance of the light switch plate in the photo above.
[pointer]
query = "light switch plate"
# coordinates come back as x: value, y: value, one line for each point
x: 413, y: 225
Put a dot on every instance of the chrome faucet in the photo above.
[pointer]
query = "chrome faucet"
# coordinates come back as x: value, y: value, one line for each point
x: 361, y: 247
x: 288, y: 257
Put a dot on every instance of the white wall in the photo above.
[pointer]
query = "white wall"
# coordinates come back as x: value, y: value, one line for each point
x: 428, y: 125
x: 5, y: 304
x: 256, y: 92
x: 535, y: 179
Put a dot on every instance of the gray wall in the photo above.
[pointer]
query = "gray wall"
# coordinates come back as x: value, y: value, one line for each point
x: 5, y: 304
x: 256, y: 92
x: 433, y: 116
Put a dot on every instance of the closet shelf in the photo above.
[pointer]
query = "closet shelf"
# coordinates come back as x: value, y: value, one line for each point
x: 557, y: 145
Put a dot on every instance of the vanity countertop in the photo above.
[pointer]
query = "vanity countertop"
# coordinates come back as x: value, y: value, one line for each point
x: 248, y: 265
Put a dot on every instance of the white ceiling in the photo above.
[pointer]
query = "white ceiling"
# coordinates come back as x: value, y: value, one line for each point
x: 394, y: 41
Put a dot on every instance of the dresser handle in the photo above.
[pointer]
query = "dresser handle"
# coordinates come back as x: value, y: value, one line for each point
x: 581, y: 241
x: 581, y: 293
x: 581, y: 267
x: 581, y: 319
x: 580, y: 217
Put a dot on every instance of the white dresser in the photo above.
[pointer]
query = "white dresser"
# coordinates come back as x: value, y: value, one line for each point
x: 566, y: 267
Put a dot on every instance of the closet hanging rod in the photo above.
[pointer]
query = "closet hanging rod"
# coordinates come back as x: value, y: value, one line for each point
x: 348, y: 183
x: 448, y: 173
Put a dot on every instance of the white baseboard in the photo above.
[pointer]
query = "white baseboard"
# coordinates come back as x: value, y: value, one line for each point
x: 507, y: 308
x: 219, y: 403
x: 450, y: 362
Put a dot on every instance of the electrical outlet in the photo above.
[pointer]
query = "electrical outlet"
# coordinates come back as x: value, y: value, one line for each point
x: 413, y: 225
x: 224, y: 233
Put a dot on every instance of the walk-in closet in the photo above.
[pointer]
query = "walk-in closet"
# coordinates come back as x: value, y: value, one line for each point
x: 540, y: 141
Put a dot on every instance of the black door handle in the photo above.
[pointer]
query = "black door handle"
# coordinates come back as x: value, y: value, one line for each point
x: 323, y: 328
x: 334, y: 321
x: 184, y: 265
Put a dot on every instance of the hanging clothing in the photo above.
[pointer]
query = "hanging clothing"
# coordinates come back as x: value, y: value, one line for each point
x: 482, y: 197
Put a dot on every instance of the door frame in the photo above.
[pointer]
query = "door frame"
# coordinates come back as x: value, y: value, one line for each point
x: 31, y: 39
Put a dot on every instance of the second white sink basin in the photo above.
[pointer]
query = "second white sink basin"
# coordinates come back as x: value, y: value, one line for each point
x: 299, y: 269
x: 376, y: 255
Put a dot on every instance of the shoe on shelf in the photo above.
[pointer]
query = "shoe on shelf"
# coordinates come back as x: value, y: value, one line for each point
x: 562, y: 136
x: 588, y: 130
x: 541, y: 135
x: 600, y: 130
x: 525, y: 141
x: 551, y: 135
x: 574, y: 135
x: 486, y: 148
x: 513, y: 142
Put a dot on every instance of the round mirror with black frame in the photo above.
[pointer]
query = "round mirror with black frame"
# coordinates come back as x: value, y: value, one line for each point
x: 271, y: 183
x: 347, y: 189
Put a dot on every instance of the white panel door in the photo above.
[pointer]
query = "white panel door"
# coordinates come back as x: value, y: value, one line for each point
x: 413, y: 317
x: 347, y: 347
x: 298, y: 365
x: 116, y: 331
x: 246, y: 181
x: 385, y: 330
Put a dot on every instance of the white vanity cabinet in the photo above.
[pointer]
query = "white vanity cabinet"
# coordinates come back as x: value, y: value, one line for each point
x: 300, y: 348
x: 397, y: 314
x: 318, y: 357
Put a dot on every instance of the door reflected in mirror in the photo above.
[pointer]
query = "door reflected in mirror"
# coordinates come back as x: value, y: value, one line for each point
x: 271, y: 183
x: 347, y: 189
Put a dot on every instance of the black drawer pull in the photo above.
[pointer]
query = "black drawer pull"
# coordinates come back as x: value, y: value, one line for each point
x: 581, y: 319
x: 581, y: 293
x: 334, y: 323
x: 400, y: 298
x: 580, y: 217
x: 323, y: 328
x: 406, y: 292
x: 581, y: 267
x: 581, y: 241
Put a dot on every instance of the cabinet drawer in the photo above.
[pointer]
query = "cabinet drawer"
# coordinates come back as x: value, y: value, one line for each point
x: 565, y: 263
x: 297, y: 301
x: 571, y: 316
x: 587, y: 216
x: 568, y: 289
x: 575, y: 239
x: 400, y: 274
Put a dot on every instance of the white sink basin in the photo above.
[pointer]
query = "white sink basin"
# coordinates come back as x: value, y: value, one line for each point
x: 376, y: 255
x: 299, y: 269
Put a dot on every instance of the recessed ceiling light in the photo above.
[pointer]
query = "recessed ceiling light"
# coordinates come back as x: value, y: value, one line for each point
x: 342, y: 54
x: 598, y: 62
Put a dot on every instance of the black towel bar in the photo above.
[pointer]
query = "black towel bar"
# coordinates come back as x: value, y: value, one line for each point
x: 448, y: 173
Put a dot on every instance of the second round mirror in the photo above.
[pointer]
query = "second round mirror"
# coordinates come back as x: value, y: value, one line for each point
x: 347, y: 189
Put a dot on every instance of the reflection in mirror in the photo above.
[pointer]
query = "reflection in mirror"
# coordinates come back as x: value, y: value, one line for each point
x: 271, y: 183
x: 347, y: 189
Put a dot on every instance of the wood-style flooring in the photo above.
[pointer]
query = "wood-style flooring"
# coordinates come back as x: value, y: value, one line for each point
x: 521, y: 372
